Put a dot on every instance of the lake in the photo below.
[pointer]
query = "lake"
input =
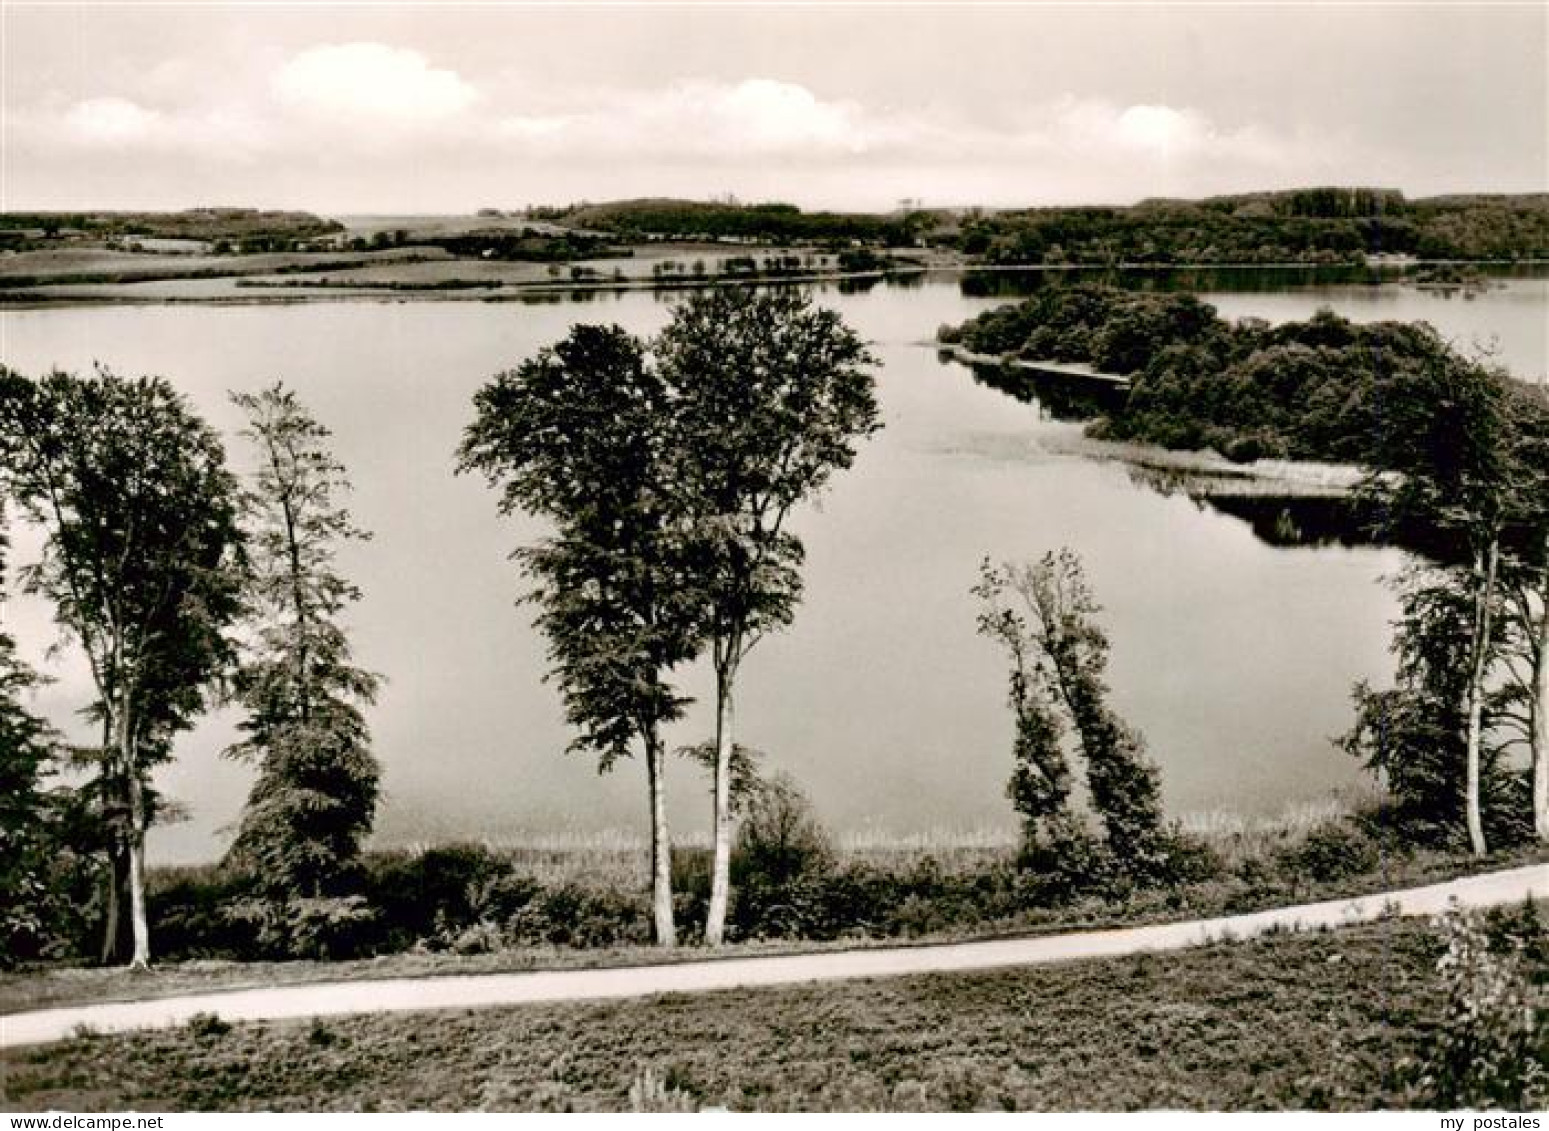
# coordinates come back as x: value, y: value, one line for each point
x: 1233, y: 656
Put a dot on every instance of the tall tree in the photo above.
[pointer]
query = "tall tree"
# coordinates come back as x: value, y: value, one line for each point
x: 1526, y: 578
x: 316, y: 793
x: 132, y: 491
x: 1445, y: 455
x: 581, y: 434
x: 1046, y: 615
x: 1040, y: 785
x: 770, y: 394
x: 1414, y: 736
x: 28, y: 751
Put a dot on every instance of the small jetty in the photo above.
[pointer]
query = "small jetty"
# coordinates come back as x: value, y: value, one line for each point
x: 1055, y: 369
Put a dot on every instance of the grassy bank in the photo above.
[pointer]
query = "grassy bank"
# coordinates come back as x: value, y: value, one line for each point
x: 445, y: 912
x: 1325, y: 1020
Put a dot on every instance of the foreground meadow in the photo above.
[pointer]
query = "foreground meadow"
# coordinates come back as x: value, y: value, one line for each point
x: 1327, y: 1020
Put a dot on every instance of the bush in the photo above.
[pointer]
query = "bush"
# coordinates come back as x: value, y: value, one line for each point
x: 1492, y: 1046
x: 1188, y: 859
x: 1072, y: 861
x: 434, y: 895
x: 192, y: 917
x: 779, y: 838
x: 328, y: 927
x: 207, y: 1025
x: 574, y: 915
x: 1333, y: 850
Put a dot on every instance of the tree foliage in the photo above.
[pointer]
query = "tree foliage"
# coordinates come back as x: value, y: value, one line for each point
x: 1323, y: 389
x: 771, y: 396
x: 139, y: 510
x: 316, y: 792
x: 1328, y: 224
x: 1045, y: 616
x: 667, y: 472
x: 1451, y: 458
x: 1413, y: 736
x: 580, y: 435
x: 29, y: 752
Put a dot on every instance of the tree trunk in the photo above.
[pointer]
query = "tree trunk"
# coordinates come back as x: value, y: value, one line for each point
x: 113, y: 927
x: 1484, y: 603
x: 141, y: 958
x: 661, y: 844
x: 1539, y: 707
x: 720, y: 867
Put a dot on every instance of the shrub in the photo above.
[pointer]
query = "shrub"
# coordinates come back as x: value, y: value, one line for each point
x: 1071, y: 861
x: 650, y: 1092
x: 574, y: 915
x: 323, y: 928
x: 1492, y: 1046
x: 431, y: 896
x: 192, y: 917
x: 779, y: 839
x: 207, y: 1025
x: 1330, y: 851
x: 1189, y: 859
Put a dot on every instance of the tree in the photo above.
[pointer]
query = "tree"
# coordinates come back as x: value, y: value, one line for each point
x: 28, y: 752
x: 139, y: 510
x: 313, y: 802
x: 1040, y: 783
x: 769, y: 396
x: 1526, y: 585
x: 581, y: 435
x: 1414, y: 736
x: 1445, y: 456
x: 1045, y: 615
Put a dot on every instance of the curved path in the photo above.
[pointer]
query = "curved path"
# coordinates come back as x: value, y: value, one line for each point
x: 465, y: 991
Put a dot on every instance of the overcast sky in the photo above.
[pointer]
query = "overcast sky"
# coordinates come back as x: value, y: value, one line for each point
x: 422, y: 109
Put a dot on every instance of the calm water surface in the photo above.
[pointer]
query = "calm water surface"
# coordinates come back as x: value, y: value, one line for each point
x: 1234, y: 657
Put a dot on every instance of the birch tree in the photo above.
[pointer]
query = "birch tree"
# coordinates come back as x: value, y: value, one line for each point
x: 770, y: 394
x: 139, y: 511
x: 1526, y: 586
x: 581, y: 435
x: 1446, y: 456
x: 28, y: 750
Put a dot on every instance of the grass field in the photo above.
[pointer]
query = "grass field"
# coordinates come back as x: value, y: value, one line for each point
x: 1300, y: 1021
x: 622, y: 863
x: 99, y: 274
x: 103, y: 267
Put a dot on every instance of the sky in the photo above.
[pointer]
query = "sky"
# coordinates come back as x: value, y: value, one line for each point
x: 359, y: 108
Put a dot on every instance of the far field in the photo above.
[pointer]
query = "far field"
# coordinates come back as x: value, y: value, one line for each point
x: 1306, y: 1021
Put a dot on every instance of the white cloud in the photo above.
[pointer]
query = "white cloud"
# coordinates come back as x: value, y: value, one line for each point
x: 386, y: 120
x: 350, y: 82
x: 758, y: 114
x: 695, y: 118
x: 1161, y: 129
x: 110, y: 121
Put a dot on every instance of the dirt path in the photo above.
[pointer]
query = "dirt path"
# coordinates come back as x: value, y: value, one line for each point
x: 465, y: 991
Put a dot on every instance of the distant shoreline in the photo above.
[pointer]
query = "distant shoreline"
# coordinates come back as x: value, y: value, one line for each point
x: 291, y: 285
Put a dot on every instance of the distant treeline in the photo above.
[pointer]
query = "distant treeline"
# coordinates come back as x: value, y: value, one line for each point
x: 1324, y: 389
x: 525, y: 246
x: 1313, y: 225
x: 1324, y: 225
x: 776, y: 223
x: 251, y: 229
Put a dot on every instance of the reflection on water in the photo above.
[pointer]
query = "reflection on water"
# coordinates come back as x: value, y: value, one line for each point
x: 1056, y: 398
x: 1235, y: 657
